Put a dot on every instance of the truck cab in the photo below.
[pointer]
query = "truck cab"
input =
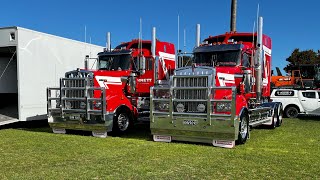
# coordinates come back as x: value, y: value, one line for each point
x: 224, y: 92
x: 114, y: 95
x: 297, y: 102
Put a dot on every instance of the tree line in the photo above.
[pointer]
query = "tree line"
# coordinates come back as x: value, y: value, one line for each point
x: 298, y: 57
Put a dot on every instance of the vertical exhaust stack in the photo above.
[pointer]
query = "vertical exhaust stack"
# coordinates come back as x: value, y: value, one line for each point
x: 198, y: 35
x: 108, y: 46
x: 86, y: 62
x: 153, y: 43
x: 233, y: 16
x: 153, y: 51
x: 259, y: 58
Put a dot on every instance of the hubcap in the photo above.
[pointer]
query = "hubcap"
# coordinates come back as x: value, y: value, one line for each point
x: 123, y: 122
x: 244, y: 128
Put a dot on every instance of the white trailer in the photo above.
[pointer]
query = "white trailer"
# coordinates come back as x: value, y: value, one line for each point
x: 31, y: 61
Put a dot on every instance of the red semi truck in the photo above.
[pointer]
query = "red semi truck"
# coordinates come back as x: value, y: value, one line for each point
x: 114, y: 95
x: 223, y: 93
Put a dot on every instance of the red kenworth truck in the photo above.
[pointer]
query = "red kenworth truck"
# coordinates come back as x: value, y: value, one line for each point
x: 223, y: 93
x: 114, y: 95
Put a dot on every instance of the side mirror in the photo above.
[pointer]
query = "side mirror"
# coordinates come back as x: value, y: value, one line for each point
x: 141, y: 64
x: 132, y: 82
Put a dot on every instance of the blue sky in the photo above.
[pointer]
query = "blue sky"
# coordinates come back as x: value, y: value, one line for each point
x: 290, y: 24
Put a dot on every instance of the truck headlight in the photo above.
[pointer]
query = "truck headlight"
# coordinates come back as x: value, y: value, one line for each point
x: 161, y: 106
x: 201, y: 107
x: 68, y: 105
x: 83, y: 105
x: 97, y: 105
x: 223, y: 106
x: 180, y: 108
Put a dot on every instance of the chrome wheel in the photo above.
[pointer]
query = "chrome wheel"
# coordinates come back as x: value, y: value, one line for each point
x: 123, y: 122
x: 243, y: 128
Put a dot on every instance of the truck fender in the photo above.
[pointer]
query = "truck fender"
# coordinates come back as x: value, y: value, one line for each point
x: 123, y: 107
x: 300, y: 109
x: 244, y: 110
x: 272, y: 105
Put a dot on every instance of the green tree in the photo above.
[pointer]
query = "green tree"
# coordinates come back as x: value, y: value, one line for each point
x: 298, y: 57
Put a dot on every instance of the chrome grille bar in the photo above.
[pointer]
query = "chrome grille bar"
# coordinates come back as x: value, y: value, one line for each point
x: 190, y: 88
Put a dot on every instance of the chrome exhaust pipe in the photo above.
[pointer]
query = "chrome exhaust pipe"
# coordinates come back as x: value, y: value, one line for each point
x: 259, y: 61
x: 198, y: 35
x: 108, y: 46
x: 153, y: 51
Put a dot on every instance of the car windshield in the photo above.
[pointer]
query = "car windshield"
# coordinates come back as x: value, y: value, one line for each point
x: 218, y: 58
x: 114, y: 62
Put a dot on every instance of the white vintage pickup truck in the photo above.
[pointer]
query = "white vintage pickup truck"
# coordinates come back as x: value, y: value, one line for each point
x: 297, y: 101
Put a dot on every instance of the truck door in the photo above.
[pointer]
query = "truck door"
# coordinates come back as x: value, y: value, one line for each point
x: 310, y: 101
x: 317, y: 110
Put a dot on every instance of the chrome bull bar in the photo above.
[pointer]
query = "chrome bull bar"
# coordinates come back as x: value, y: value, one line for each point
x: 71, y: 92
x: 210, y: 115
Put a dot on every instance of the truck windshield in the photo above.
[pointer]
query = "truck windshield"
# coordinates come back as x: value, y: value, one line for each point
x: 219, y: 58
x: 114, y: 62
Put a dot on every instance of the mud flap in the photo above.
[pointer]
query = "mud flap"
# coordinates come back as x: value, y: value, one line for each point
x: 99, y: 134
x: 59, y: 131
x: 223, y: 143
x: 161, y: 138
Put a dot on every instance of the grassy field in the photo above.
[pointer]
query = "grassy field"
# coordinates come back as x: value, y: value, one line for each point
x: 289, y: 152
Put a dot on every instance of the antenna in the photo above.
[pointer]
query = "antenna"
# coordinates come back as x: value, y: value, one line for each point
x: 141, y: 34
x: 90, y: 46
x: 85, y: 33
x: 184, y: 40
x: 178, y: 32
x: 258, y: 8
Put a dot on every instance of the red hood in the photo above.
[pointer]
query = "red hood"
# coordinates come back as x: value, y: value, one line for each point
x: 111, y: 80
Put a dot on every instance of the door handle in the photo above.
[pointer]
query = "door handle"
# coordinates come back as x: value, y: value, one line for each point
x: 303, y: 100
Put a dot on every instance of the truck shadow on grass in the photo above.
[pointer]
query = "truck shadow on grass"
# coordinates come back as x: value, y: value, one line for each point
x: 309, y: 118
x: 139, y: 131
x: 36, y: 126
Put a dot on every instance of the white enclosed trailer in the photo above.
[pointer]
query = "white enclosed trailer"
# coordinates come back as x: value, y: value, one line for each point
x: 31, y: 61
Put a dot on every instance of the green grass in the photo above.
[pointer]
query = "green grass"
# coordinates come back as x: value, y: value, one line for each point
x: 289, y: 152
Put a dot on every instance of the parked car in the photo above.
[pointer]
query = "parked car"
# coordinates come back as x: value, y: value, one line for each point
x: 297, y: 102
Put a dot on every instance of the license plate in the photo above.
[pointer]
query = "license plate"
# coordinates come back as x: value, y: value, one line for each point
x: 74, y: 117
x: 190, y: 122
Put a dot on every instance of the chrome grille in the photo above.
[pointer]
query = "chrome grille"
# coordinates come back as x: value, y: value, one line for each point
x: 185, y: 94
x: 76, y: 79
x: 201, y: 81
x: 75, y: 93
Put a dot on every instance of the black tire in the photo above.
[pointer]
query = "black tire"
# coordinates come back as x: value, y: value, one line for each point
x: 243, y: 129
x: 291, y: 112
x: 273, y: 124
x: 279, y: 115
x: 122, y: 122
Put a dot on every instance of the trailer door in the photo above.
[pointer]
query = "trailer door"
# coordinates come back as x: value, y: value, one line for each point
x: 8, y: 85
